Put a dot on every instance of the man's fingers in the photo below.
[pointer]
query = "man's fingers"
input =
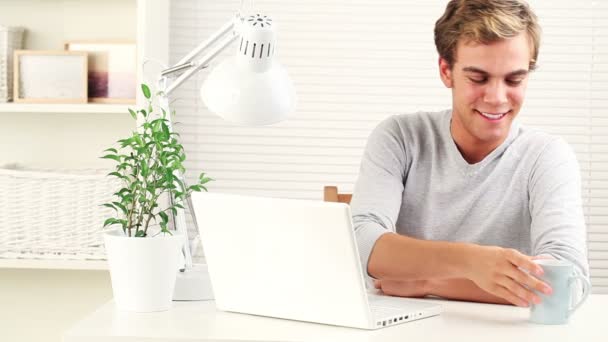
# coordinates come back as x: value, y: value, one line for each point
x: 516, y: 288
x: 529, y: 281
x: 523, y: 261
x: 509, y: 296
x: 377, y: 284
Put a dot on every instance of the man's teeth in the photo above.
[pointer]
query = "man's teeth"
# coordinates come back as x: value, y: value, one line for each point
x: 493, y: 116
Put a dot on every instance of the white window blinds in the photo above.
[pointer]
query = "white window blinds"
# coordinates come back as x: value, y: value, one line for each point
x: 356, y: 62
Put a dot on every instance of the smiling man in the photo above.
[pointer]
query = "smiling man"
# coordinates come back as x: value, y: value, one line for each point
x: 459, y: 203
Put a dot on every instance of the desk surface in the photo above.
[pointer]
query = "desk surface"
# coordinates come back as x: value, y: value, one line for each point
x: 200, y: 321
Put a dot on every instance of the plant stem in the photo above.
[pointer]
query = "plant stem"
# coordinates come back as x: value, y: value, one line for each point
x: 135, y: 199
x: 152, y: 201
x: 155, y: 164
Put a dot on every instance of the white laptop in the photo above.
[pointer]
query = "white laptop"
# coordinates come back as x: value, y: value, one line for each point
x: 292, y: 259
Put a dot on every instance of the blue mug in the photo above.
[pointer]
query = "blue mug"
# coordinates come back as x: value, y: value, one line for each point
x: 557, y: 307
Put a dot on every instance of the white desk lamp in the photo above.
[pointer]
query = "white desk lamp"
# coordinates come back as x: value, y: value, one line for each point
x: 249, y: 88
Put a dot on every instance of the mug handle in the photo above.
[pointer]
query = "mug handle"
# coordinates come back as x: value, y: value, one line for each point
x: 586, y: 288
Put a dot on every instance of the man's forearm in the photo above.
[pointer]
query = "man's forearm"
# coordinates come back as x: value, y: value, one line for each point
x: 461, y: 289
x: 503, y: 272
x: 398, y: 257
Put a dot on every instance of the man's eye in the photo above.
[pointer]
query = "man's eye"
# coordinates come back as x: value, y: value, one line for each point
x: 514, y: 82
x: 478, y: 80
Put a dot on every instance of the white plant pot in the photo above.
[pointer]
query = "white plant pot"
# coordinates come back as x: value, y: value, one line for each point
x: 143, y: 270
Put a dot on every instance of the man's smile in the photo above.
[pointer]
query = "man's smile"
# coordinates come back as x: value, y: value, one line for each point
x: 493, y: 116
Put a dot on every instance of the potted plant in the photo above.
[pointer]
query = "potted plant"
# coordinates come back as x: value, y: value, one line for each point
x: 143, y: 253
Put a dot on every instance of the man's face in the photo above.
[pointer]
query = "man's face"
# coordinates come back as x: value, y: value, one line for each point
x: 488, y: 85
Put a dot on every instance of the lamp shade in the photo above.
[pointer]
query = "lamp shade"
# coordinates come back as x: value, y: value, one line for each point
x: 247, y: 97
x: 251, y: 87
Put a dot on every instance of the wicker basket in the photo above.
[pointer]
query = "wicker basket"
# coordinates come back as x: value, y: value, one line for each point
x: 53, y: 214
x: 11, y: 38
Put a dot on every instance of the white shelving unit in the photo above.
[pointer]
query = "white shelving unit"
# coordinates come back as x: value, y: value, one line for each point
x: 94, y: 108
x: 33, y: 133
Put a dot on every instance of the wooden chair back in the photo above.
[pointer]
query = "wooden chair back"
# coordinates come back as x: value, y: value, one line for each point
x: 330, y: 194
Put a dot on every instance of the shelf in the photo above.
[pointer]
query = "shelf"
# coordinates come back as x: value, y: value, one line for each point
x: 97, y: 108
x: 54, y: 264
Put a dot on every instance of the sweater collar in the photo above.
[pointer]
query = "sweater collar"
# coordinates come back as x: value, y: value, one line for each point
x: 456, y: 156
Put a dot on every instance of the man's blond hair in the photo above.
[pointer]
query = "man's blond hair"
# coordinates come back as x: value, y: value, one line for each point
x: 485, y: 21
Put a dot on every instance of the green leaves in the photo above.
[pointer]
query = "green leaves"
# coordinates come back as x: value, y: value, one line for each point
x: 165, y: 219
x: 146, y: 91
x: 148, y: 163
x: 112, y: 156
x: 112, y: 221
x: 196, y: 188
x: 109, y: 206
x: 166, y: 132
x: 118, y: 175
x: 109, y: 221
x: 145, y: 170
x: 121, y: 207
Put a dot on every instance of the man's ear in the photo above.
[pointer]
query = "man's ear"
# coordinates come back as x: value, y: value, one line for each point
x: 445, y: 72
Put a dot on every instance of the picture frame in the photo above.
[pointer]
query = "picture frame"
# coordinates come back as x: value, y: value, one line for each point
x: 112, y: 69
x: 49, y: 76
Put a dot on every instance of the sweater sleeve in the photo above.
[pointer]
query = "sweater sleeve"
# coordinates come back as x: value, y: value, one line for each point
x: 379, y: 189
x: 558, y: 225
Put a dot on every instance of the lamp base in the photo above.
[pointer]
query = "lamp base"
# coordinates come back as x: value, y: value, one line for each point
x: 193, y: 284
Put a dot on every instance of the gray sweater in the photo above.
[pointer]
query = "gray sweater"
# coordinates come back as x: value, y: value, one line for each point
x: 526, y: 194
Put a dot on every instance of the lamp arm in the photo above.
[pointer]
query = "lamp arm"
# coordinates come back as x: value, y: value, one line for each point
x: 214, y: 37
x: 200, y: 64
x: 192, y: 67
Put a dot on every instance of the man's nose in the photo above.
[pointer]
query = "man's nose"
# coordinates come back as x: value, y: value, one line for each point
x: 495, y: 93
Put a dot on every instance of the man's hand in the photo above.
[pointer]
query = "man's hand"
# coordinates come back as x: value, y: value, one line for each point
x: 411, y: 288
x: 506, y: 273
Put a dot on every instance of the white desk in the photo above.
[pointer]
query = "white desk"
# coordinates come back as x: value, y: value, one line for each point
x: 200, y: 321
